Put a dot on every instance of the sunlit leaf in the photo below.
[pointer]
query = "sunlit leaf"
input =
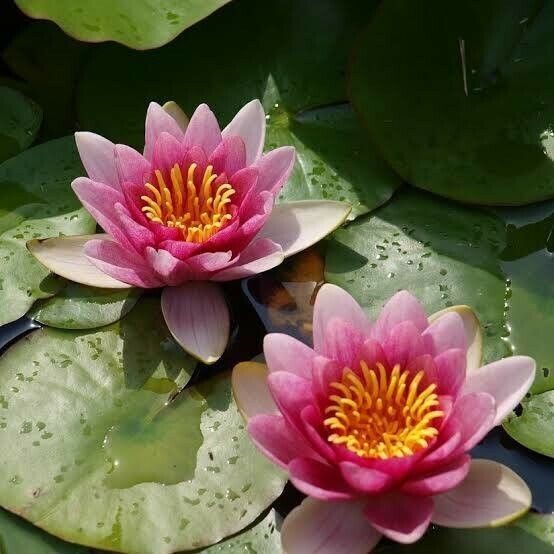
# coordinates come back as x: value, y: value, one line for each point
x: 94, y: 453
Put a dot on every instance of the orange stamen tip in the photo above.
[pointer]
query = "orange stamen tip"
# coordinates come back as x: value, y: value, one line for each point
x: 380, y: 414
x: 190, y: 205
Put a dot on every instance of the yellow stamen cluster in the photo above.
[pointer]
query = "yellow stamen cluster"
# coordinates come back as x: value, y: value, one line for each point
x: 380, y: 414
x: 197, y: 211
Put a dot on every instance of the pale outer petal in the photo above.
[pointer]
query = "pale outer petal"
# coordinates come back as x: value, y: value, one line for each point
x: 298, y: 225
x: 197, y: 316
x: 317, y: 527
x: 491, y: 495
x: 249, y: 383
x: 473, y: 333
x: 176, y: 112
x: 65, y: 257
x: 249, y: 124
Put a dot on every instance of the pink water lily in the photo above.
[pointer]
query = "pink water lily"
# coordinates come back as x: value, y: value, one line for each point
x: 375, y: 422
x: 196, y: 208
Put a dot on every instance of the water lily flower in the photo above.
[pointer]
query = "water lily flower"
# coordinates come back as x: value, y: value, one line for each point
x: 374, y: 424
x: 195, y: 209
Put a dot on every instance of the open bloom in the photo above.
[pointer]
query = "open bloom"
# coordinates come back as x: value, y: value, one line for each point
x: 375, y: 423
x: 196, y: 206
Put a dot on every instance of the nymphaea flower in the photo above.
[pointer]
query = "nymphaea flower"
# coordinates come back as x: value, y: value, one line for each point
x: 375, y: 423
x: 196, y: 208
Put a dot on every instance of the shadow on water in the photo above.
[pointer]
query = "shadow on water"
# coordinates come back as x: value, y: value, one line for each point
x: 15, y: 330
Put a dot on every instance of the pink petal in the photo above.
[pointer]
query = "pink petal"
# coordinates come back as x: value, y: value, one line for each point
x: 314, y: 432
x: 203, y: 130
x: 403, y: 344
x: 491, y: 495
x: 100, y: 200
x: 97, y: 155
x: 363, y: 479
x: 119, y: 263
x: 275, y: 438
x: 257, y: 257
x: 132, y: 166
x: 275, y: 168
x: 196, y: 313
x: 474, y: 413
x: 249, y: 124
x: 450, y: 440
x: 507, y: 380
x: 333, y: 302
x: 342, y: 342
x: 249, y: 382
x: 449, y: 371
x: 138, y: 235
x: 400, y: 517
x: 244, y: 181
x: 446, y: 478
x: 291, y: 394
x: 401, y: 307
x: 168, y: 151
x: 285, y: 353
x: 181, y: 249
x: 317, y: 527
x: 228, y: 157
x: 446, y: 332
x: 318, y: 480
x: 372, y: 353
x: 324, y: 372
x: 170, y: 270
x: 158, y: 121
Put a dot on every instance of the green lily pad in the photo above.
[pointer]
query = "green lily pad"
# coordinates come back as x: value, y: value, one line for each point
x: 261, y: 538
x: 20, y: 120
x: 461, y: 102
x: 532, y: 426
x: 95, y: 454
x: 298, y: 86
x: 36, y: 201
x: 48, y: 74
x: 19, y: 537
x: 80, y: 307
x: 141, y: 24
x: 499, y: 263
x: 525, y: 535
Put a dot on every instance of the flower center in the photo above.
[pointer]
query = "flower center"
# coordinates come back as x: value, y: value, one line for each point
x: 197, y: 210
x: 382, y: 415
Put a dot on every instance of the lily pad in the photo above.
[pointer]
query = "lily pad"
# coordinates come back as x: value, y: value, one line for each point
x: 525, y: 535
x: 80, y: 307
x: 499, y: 263
x: 140, y: 24
x: 95, y: 454
x: 461, y: 102
x: 298, y: 86
x: 261, y: 538
x: 48, y: 74
x: 532, y: 425
x: 19, y: 537
x: 36, y: 201
x: 20, y: 120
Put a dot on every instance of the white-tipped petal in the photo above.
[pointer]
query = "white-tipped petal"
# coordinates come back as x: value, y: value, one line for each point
x: 298, y: 225
x: 491, y: 495
x: 474, y: 335
x: 65, y: 256
x: 249, y: 382
x: 197, y: 315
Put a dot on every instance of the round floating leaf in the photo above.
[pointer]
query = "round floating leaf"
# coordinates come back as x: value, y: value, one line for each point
x: 140, y: 24
x: 20, y: 120
x: 499, y: 263
x: 261, y: 538
x: 36, y: 201
x: 95, y: 454
x: 298, y: 86
x: 525, y: 535
x: 48, y: 73
x: 80, y: 307
x: 461, y: 102
x: 19, y: 537
x: 532, y: 426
